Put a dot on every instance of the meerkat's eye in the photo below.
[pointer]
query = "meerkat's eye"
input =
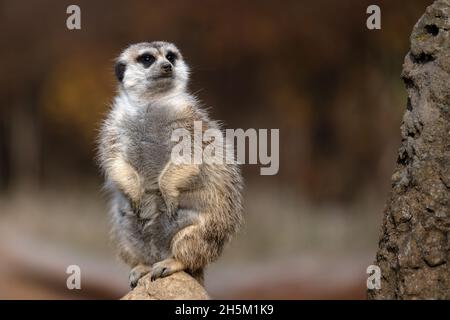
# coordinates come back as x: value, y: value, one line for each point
x: 146, y: 59
x: 171, y: 57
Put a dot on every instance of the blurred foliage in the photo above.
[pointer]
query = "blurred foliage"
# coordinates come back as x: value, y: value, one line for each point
x: 310, y: 68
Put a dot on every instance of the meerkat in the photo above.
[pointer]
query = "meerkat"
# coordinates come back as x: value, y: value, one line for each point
x: 166, y: 217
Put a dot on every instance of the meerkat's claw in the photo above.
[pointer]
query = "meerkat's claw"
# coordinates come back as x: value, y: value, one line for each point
x: 166, y: 268
x: 137, y: 273
x: 170, y: 200
x: 171, y: 207
x: 171, y: 203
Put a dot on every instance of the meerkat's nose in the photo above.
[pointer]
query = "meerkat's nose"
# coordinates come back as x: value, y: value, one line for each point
x: 166, y: 67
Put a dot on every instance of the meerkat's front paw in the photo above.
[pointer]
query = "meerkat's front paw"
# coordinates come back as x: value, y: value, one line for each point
x: 137, y: 273
x: 166, y: 268
x: 171, y: 202
x: 122, y: 173
x: 171, y: 207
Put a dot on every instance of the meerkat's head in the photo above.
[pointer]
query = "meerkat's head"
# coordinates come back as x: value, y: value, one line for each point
x: 151, y: 69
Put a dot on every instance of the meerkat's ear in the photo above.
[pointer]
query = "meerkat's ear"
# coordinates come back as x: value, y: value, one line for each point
x: 119, y: 70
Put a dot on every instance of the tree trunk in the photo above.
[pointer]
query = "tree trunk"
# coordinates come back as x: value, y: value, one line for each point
x: 413, y: 253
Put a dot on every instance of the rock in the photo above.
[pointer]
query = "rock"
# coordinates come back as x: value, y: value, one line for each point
x: 414, y: 248
x: 179, y: 286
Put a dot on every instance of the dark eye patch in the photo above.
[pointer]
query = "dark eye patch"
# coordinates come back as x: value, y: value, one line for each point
x: 146, y: 59
x: 171, y: 56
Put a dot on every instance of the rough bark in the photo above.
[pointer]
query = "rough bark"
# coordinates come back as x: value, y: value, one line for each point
x: 179, y: 286
x: 413, y: 252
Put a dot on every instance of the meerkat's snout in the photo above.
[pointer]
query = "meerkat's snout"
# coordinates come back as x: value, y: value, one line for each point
x: 166, y: 68
x: 165, y: 71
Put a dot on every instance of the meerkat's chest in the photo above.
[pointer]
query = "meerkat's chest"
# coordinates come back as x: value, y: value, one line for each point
x: 146, y: 141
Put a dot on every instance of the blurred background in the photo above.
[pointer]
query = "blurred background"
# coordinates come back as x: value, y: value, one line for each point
x: 310, y: 68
